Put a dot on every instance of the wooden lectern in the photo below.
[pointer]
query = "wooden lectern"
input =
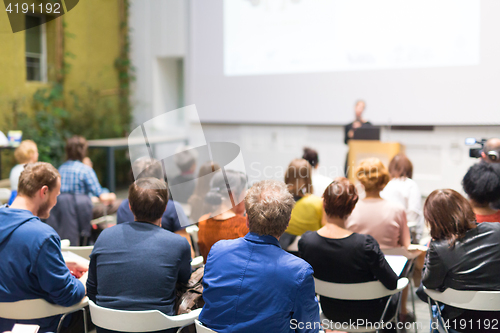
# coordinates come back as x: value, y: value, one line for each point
x: 362, y: 149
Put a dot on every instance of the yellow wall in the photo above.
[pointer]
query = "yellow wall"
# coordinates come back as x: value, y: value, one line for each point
x: 91, y: 34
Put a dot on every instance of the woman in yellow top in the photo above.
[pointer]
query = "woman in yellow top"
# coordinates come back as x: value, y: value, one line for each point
x: 308, y: 211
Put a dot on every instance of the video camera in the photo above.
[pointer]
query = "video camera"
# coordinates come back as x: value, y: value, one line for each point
x: 476, y: 152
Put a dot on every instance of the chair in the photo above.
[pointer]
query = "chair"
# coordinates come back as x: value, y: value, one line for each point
x: 357, y: 292
x: 192, y: 230
x: 82, y: 251
x: 40, y: 308
x: 139, y: 321
x: 463, y: 299
x: 200, y: 328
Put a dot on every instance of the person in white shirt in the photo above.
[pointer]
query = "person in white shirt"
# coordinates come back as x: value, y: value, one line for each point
x: 27, y: 152
x: 404, y: 190
x: 319, y: 182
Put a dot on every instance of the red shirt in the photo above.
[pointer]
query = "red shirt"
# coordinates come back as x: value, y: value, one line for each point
x: 488, y: 218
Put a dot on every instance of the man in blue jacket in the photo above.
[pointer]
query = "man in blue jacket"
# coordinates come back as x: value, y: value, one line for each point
x: 31, y: 263
x: 252, y: 285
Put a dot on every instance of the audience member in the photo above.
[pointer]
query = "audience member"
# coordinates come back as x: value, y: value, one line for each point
x: 173, y: 215
x: 377, y: 217
x: 462, y: 254
x: 341, y: 256
x: 404, y: 190
x: 308, y: 211
x: 27, y: 152
x: 251, y: 284
x: 79, y: 178
x: 482, y: 185
x: 319, y: 182
x: 197, y: 200
x: 228, y: 222
x: 491, y: 154
x: 185, y: 159
x: 32, y: 265
x: 136, y: 265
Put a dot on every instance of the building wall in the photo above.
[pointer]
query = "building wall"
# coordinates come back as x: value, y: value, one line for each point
x: 91, y: 37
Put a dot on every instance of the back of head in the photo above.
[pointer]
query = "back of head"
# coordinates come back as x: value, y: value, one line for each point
x: 205, y: 175
x: 148, y: 198
x: 448, y: 215
x: 339, y: 198
x: 269, y: 206
x: 401, y: 167
x: 482, y: 183
x: 76, y: 148
x: 492, y: 150
x: 147, y: 167
x: 373, y: 174
x: 311, y: 156
x: 35, y: 176
x: 298, y: 177
x: 185, y: 158
x: 236, y: 182
x: 25, y: 152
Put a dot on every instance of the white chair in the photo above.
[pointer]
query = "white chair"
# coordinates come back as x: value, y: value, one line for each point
x: 357, y: 292
x: 82, y: 251
x: 139, y: 321
x: 463, y: 299
x: 197, y: 262
x: 4, y: 195
x: 200, y: 328
x: 40, y: 308
x: 192, y: 230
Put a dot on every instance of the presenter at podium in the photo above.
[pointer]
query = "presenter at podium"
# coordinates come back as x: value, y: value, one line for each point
x: 350, y: 129
x: 359, y: 122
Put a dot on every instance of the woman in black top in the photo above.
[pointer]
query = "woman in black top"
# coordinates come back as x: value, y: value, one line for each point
x: 341, y: 256
x: 462, y: 255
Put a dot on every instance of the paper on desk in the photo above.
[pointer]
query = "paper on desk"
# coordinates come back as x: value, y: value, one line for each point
x: 72, y: 257
x: 23, y: 328
x: 397, y: 263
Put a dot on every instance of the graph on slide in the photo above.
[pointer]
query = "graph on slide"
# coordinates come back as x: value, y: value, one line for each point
x: 297, y: 36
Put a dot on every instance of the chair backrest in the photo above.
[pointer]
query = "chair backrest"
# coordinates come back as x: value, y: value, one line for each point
x: 82, y: 251
x: 200, y: 328
x: 138, y: 321
x: 357, y: 291
x: 467, y: 299
x: 35, y: 309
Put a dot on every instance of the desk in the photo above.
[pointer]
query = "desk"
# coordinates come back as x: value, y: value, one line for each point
x: 121, y: 143
x: 2, y: 148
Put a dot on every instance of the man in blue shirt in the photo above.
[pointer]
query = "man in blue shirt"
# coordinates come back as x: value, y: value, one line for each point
x: 31, y: 263
x: 251, y: 284
x: 136, y: 265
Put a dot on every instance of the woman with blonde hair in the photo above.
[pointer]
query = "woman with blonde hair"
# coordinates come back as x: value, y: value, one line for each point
x: 308, y: 211
x: 380, y: 218
x: 27, y: 152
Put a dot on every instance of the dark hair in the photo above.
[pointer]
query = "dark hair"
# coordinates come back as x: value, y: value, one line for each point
x: 339, y: 198
x: 400, y: 166
x: 76, y: 148
x: 448, y: 215
x: 35, y: 176
x: 236, y: 184
x: 482, y: 183
x: 148, y: 198
x: 311, y: 156
x: 185, y: 159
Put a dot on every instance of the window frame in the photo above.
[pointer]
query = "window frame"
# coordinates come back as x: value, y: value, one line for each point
x: 42, y: 56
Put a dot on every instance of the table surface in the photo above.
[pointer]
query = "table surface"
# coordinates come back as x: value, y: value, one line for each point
x: 124, y: 142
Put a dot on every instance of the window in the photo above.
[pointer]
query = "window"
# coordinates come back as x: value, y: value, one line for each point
x: 36, y: 63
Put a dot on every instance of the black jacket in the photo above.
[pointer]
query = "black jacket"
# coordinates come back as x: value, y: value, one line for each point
x: 472, y: 264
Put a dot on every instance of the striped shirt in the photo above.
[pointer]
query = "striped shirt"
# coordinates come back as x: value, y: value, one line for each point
x: 79, y: 178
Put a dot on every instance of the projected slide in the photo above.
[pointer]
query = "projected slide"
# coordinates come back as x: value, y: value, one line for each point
x: 304, y: 36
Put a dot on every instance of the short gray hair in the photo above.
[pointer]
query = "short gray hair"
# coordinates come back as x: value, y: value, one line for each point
x: 269, y: 206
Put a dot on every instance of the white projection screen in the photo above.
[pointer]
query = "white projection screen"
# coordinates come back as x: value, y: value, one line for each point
x: 425, y: 62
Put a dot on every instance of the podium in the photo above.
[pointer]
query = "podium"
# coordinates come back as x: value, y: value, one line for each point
x: 363, y: 149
